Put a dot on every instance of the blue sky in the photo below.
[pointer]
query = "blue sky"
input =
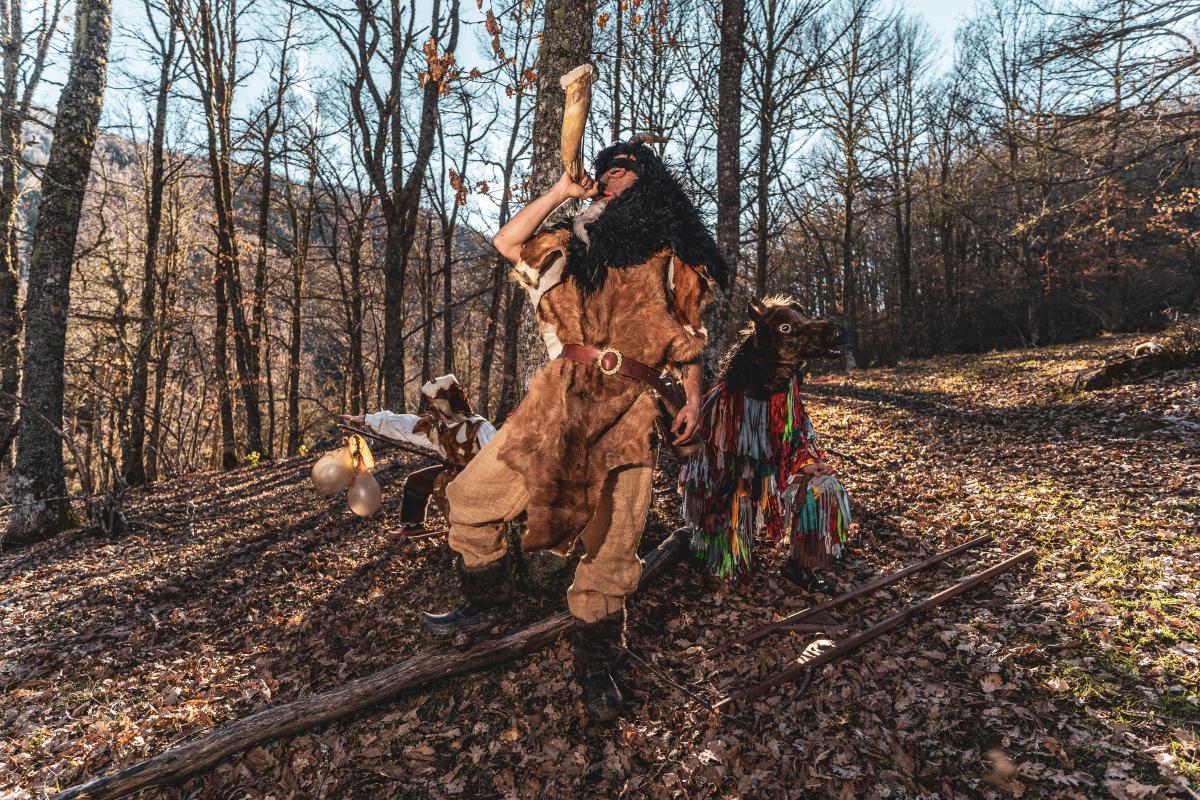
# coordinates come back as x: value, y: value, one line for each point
x: 942, y: 16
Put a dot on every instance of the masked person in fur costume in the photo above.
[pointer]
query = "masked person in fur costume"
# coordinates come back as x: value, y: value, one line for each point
x: 617, y: 293
x: 451, y: 429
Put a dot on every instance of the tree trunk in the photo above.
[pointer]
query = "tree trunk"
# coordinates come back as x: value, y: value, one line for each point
x: 729, y: 166
x: 15, y: 65
x: 566, y: 42
x: 427, y: 301
x: 510, y: 388
x: 39, y: 485
x: 259, y: 301
x: 164, y: 337
x: 133, y: 457
x: 762, y: 190
x: 448, y: 294
x: 849, y: 282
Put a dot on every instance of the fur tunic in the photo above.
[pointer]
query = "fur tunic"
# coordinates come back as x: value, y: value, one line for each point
x: 576, y: 424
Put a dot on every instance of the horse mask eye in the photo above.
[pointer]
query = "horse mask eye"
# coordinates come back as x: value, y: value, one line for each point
x: 785, y: 328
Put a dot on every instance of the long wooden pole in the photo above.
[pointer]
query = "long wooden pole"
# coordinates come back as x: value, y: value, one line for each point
x: 192, y: 758
x: 870, y: 586
x: 842, y: 648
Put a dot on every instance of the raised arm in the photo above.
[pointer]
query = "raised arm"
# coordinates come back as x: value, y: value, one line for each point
x: 516, y: 231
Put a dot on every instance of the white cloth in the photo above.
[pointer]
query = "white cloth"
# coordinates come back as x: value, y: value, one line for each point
x: 400, y: 427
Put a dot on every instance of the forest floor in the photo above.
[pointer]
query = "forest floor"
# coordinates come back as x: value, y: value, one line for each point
x: 1076, y: 676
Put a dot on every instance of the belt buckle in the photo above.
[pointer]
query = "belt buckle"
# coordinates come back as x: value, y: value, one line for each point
x: 600, y: 360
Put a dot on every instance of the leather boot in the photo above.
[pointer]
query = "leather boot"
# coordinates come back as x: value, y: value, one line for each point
x: 487, y: 595
x: 597, y: 655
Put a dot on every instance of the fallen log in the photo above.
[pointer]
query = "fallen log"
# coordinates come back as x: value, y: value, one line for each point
x: 1135, y: 368
x: 883, y: 626
x: 796, y: 621
x: 187, y: 760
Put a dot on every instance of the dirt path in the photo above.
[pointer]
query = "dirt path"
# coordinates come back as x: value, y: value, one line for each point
x: 1080, y: 677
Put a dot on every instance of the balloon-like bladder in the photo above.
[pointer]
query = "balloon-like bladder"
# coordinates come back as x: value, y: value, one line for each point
x: 364, y: 496
x: 333, y: 472
x: 578, y: 85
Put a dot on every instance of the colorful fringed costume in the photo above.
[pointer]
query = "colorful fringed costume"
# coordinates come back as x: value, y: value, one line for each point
x: 745, y: 480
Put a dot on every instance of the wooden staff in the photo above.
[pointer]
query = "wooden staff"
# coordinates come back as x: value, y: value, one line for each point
x: 405, y: 446
x: 795, y: 621
x: 578, y: 85
x: 857, y: 640
x: 289, y: 719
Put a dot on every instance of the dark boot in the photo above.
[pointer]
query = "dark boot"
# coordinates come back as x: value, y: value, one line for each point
x: 487, y: 595
x: 807, y: 578
x: 597, y: 654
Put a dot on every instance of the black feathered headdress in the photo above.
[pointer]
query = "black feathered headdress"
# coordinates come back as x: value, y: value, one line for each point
x: 652, y: 212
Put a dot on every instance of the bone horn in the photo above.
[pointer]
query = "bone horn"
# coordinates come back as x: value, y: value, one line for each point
x: 647, y: 138
x: 578, y: 85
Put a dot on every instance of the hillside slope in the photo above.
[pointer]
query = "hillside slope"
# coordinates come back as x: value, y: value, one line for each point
x: 1078, y: 677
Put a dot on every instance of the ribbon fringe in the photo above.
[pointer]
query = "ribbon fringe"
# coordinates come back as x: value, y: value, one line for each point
x: 745, y: 482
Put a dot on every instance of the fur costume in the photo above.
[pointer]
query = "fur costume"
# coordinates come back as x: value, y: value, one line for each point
x: 630, y: 288
x: 451, y: 429
x: 746, y: 479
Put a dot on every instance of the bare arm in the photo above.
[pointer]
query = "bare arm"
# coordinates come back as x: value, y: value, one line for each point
x: 516, y: 232
x: 688, y: 418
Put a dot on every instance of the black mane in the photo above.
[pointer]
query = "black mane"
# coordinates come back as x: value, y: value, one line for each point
x: 651, y: 213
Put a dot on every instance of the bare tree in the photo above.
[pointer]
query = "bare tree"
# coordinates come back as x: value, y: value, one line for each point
x: 39, y: 485
x: 898, y: 129
x: 211, y: 34
x: 512, y: 73
x: 23, y: 58
x: 377, y: 47
x: 267, y: 126
x: 780, y: 74
x: 162, y: 38
x: 848, y: 92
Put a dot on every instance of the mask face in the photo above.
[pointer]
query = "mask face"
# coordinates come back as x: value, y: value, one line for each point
x: 617, y: 179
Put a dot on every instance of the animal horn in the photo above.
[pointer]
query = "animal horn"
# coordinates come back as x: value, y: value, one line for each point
x: 647, y: 138
x: 578, y: 85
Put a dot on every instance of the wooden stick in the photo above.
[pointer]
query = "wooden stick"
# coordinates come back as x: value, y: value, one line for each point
x: 869, y: 586
x: 192, y: 758
x: 842, y: 648
x: 416, y: 537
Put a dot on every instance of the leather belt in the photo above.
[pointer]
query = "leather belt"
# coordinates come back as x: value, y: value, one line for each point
x: 610, y: 361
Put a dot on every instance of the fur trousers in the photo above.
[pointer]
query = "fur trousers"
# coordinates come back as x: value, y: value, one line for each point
x: 487, y: 493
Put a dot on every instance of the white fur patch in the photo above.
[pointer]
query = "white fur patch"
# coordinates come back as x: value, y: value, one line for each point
x: 525, y: 275
x: 587, y: 217
x: 546, y: 281
x: 550, y: 337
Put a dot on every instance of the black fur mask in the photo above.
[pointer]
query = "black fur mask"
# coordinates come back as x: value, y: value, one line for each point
x: 651, y: 213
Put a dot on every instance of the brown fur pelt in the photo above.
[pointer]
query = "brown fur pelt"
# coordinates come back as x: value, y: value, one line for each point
x: 577, y: 424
